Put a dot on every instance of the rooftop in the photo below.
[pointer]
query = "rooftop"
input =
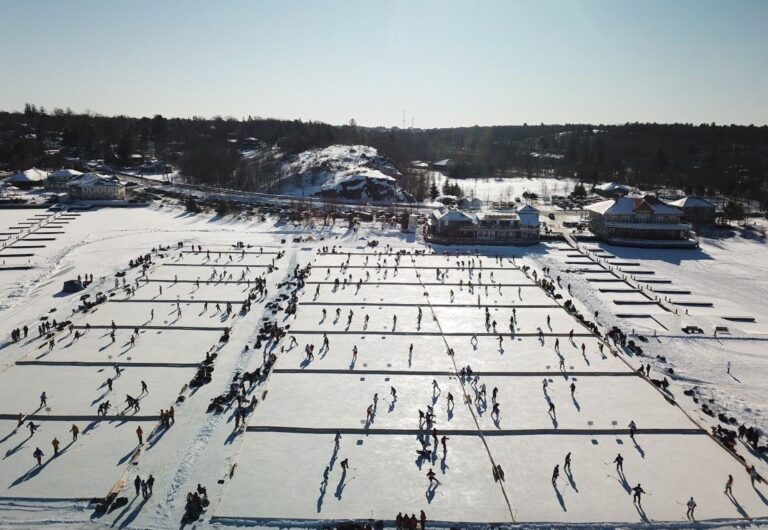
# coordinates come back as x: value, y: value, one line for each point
x: 631, y: 205
x: 692, y: 202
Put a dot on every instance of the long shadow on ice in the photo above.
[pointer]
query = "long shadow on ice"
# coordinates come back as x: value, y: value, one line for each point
x: 35, y: 470
x: 431, y: 490
x: 443, y: 465
x: 155, y: 436
x: 571, y: 480
x: 14, y: 431
x: 639, y: 449
x: 738, y: 506
x: 340, y: 487
x: 127, y: 456
x: 10, y: 452
x: 641, y: 513
x: 623, y: 481
x: 760, y: 494
x: 135, y: 513
x: 323, y: 488
x: 560, y: 498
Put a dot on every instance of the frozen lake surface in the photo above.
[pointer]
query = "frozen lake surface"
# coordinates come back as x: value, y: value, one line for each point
x: 272, y: 472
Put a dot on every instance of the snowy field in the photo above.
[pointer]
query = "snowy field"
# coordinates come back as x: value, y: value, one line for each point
x: 271, y: 473
x: 507, y: 189
x: 27, y: 237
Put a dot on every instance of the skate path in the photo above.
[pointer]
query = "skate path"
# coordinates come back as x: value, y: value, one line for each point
x: 405, y: 304
x: 425, y: 284
x: 220, y: 265
x: 426, y: 333
x: 107, y: 364
x: 145, y: 326
x: 469, y: 407
x: 472, y: 432
x: 356, y: 371
x: 180, y: 300
x: 237, y: 252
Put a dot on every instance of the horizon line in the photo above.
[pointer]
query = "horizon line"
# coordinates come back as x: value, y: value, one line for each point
x: 229, y: 117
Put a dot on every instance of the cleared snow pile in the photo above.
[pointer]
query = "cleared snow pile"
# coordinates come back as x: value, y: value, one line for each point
x: 356, y: 172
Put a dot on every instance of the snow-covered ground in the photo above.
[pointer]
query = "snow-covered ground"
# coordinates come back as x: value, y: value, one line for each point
x: 173, y: 176
x: 508, y: 189
x: 272, y: 474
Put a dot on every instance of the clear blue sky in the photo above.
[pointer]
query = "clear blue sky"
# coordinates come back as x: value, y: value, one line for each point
x: 446, y: 63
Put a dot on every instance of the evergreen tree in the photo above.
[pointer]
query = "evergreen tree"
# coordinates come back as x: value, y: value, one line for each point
x: 125, y: 149
x: 191, y: 205
x: 433, y: 191
x: 579, y: 190
x: 734, y: 211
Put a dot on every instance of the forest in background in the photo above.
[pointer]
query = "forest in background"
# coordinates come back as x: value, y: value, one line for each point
x: 702, y: 159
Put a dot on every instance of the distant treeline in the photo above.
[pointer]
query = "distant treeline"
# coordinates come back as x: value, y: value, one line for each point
x: 706, y: 158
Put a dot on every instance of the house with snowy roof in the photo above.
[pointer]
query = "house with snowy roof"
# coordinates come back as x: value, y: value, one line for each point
x: 441, y: 165
x: 59, y: 180
x: 529, y: 216
x: 640, y: 221
x: 696, y: 210
x: 612, y: 189
x: 454, y: 227
x: 28, y: 178
x: 93, y: 186
x: 444, y: 220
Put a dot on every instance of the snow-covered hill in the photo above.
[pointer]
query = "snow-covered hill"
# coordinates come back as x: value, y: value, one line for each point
x: 356, y: 172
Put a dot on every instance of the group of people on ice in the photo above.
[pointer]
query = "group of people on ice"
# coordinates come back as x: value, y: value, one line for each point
x: 38, y: 453
x: 403, y: 522
x: 144, y: 486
